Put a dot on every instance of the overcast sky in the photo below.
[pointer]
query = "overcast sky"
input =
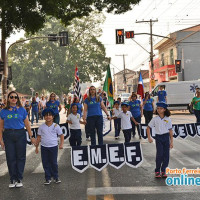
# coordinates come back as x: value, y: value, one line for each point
x: 172, y: 15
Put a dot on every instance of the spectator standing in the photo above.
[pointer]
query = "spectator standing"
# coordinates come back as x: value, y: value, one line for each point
x: 35, y: 107
x: 148, y: 107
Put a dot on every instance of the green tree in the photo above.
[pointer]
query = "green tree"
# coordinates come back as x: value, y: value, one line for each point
x: 29, y: 15
x: 44, y: 65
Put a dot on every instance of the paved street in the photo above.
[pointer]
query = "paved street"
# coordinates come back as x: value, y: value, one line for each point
x: 110, y: 184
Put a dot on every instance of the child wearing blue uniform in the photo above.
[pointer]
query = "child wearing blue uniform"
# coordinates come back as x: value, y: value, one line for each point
x: 79, y: 106
x: 126, y: 118
x: 74, y: 119
x: 48, y: 136
x: 162, y: 95
x: 164, y: 138
x: 148, y: 107
x: 35, y: 110
x: 117, y: 122
x: 55, y: 106
x: 135, y: 108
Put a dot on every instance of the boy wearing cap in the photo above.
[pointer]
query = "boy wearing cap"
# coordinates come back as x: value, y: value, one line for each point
x: 163, y: 138
x: 47, y: 135
x: 117, y: 122
x: 126, y: 118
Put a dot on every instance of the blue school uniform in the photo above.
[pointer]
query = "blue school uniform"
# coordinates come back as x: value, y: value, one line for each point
x: 94, y: 120
x: 34, y: 106
x: 53, y: 105
x: 161, y: 95
x: 79, y: 108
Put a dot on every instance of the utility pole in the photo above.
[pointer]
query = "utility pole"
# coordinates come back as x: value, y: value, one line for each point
x: 151, y: 42
x: 124, y: 75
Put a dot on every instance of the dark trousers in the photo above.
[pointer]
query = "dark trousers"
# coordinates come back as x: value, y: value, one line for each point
x: 86, y: 130
x: 148, y: 115
x: 95, y: 122
x: 162, y: 152
x: 15, y: 147
x: 56, y: 119
x: 36, y: 116
x: 127, y: 135
x: 49, y: 161
x: 197, y: 115
x: 117, y: 124
x: 75, y: 138
x: 137, y: 119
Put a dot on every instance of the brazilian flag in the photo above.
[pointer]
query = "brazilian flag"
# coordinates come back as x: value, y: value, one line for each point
x: 108, y: 87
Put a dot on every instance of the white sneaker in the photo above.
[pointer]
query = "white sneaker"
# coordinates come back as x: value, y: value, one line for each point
x: 19, y: 184
x: 12, y: 184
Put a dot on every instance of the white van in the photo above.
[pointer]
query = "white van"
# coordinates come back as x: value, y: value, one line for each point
x: 179, y: 94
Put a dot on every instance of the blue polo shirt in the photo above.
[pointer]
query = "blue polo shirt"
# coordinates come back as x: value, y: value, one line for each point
x: 13, y: 119
x: 53, y: 105
x: 34, y: 106
x: 148, y: 106
x: 135, y: 108
x: 79, y: 106
x: 161, y: 95
x: 94, y: 107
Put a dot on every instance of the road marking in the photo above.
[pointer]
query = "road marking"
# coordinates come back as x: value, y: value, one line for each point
x: 4, y: 168
x: 141, y: 190
x: 40, y: 169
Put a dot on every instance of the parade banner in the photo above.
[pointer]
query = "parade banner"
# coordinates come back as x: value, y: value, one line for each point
x: 179, y: 130
x: 107, y: 125
x: 99, y: 156
x: 64, y: 128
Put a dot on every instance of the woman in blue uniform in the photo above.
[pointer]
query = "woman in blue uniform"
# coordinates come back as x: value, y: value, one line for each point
x: 79, y: 105
x: 148, y: 107
x: 55, y: 106
x: 92, y: 107
x: 135, y: 108
x: 13, y: 119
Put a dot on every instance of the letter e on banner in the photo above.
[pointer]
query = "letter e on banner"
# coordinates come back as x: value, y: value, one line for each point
x: 98, y: 157
x: 182, y: 131
x: 175, y: 131
x: 133, y: 154
x: 116, y: 155
x: 191, y: 129
x: 153, y: 132
x: 79, y: 158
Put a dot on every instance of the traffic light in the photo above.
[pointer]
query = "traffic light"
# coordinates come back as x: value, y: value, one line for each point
x: 178, y: 66
x: 1, y: 66
x: 64, y: 41
x: 52, y: 37
x: 129, y: 34
x: 119, y: 36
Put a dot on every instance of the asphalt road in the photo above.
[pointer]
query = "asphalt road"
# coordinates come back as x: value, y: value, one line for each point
x: 110, y: 184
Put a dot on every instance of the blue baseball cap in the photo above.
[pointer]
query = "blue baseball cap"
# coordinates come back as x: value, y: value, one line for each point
x: 161, y: 104
x: 73, y: 104
x: 48, y: 110
x: 124, y: 104
x: 116, y: 102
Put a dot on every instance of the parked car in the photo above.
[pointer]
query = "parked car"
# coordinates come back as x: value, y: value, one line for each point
x: 179, y: 94
x: 124, y: 96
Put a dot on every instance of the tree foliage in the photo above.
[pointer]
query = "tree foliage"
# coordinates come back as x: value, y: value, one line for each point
x: 40, y: 64
x: 29, y: 15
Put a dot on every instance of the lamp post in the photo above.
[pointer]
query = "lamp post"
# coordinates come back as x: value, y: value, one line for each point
x: 32, y: 90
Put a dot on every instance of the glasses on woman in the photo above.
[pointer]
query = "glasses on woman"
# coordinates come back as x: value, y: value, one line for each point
x: 13, y: 97
x: 52, y: 96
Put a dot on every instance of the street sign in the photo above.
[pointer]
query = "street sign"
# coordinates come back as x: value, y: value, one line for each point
x: 129, y: 34
x: 52, y: 37
x: 152, y: 76
x: 153, y: 83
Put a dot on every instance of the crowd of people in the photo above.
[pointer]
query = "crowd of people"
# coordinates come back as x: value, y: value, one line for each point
x: 15, y: 117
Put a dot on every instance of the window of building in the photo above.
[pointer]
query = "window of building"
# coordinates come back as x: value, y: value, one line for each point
x: 171, y: 56
x: 162, y: 59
